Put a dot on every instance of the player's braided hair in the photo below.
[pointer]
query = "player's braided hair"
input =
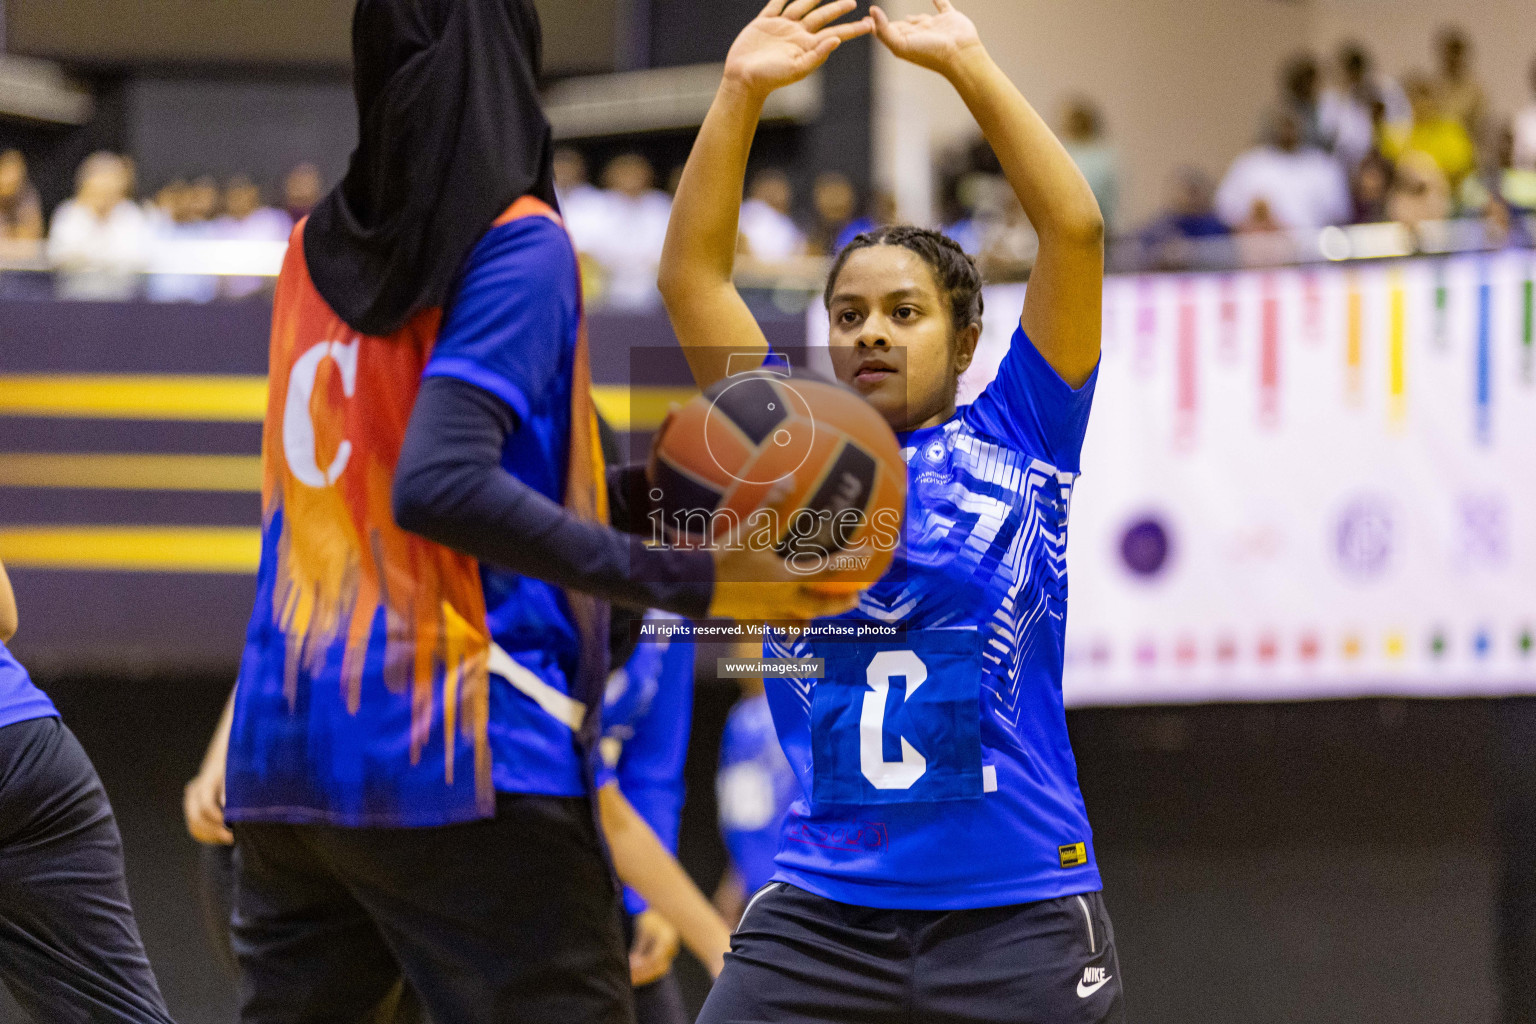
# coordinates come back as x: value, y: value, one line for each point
x: 955, y: 272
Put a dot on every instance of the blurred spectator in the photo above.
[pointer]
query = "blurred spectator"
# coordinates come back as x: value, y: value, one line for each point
x: 1082, y: 133
x: 301, y: 191
x: 1007, y: 240
x: 1282, y: 183
x: 1524, y: 156
x: 1501, y: 181
x: 99, y: 240
x: 1370, y: 186
x: 627, y: 235
x: 1420, y: 191
x: 1189, y: 213
x: 1457, y: 92
x: 991, y: 225
x: 167, y: 205
x: 971, y: 196
x: 882, y: 212
x: 674, y: 180
x: 580, y: 201
x: 1348, y: 111
x: 1503, y: 229
x: 767, y: 231
x: 1517, y: 185
x: 837, y: 220
x: 965, y: 231
x: 174, y: 218
x: 202, y: 199
x: 1444, y: 138
x: 1300, y: 95
x: 247, y: 220
x: 21, y: 214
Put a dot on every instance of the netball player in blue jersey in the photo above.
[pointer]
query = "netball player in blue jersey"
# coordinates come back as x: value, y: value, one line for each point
x: 938, y: 865
x: 69, y: 946
x: 647, y: 718
x: 754, y: 788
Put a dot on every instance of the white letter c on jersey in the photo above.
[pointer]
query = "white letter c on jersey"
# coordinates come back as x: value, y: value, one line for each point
x: 883, y: 774
x: 299, y: 428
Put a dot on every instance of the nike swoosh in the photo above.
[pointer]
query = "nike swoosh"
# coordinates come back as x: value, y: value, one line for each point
x: 1084, y: 991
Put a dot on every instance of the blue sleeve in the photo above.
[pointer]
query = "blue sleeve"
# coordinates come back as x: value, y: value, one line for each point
x: 751, y: 813
x: 1029, y: 407
x: 511, y: 324
x: 650, y: 768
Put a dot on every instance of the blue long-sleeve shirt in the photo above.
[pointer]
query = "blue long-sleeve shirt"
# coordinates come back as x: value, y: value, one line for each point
x: 647, y: 714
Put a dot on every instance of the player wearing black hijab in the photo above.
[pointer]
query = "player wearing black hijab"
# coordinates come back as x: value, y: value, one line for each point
x: 450, y: 132
x: 409, y: 778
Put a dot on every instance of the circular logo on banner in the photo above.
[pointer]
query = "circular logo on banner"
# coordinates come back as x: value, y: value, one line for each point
x: 1363, y: 538
x: 1146, y: 547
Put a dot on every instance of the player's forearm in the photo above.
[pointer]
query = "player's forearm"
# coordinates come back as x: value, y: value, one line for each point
x: 699, y: 258
x: 658, y: 802
x: 645, y: 865
x: 450, y: 487
x: 701, y: 235
x: 1052, y: 190
x: 218, y: 745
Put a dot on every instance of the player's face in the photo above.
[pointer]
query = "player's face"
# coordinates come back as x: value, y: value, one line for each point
x: 893, y: 338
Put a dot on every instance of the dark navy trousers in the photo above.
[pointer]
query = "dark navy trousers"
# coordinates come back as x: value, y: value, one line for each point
x: 797, y: 958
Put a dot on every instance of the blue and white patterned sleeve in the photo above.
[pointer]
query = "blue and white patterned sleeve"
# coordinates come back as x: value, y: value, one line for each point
x: 1029, y: 407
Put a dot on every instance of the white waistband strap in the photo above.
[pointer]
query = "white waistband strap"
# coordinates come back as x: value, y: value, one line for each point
x: 566, y: 710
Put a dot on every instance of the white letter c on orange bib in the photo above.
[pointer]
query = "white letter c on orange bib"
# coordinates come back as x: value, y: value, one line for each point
x: 299, y: 428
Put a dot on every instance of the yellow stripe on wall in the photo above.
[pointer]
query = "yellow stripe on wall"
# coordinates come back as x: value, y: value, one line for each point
x: 628, y: 409
x: 230, y: 473
x: 129, y: 396
x: 212, y: 549
x: 232, y: 398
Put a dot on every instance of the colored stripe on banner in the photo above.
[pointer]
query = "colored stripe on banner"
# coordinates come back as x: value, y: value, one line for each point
x: 1354, y: 332
x: 196, y: 549
x: 232, y: 473
x: 1484, y: 359
x: 1442, y: 304
x: 1397, y: 343
x: 1269, y: 356
x: 1188, y: 366
x: 1312, y: 305
x: 1528, y: 328
x: 1146, y: 325
x: 1229, y: 311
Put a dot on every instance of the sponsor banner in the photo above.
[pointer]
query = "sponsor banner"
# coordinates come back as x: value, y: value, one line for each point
x: 1304, y: 482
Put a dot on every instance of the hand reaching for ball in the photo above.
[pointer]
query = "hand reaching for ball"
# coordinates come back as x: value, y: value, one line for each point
x: 757, y: 584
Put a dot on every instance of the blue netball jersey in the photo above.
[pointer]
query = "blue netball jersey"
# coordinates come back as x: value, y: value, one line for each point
x: 754, y: 789
x: 935, y: 768
x: 20, y: 699
x: 647, y: 714
x: 388, y: 680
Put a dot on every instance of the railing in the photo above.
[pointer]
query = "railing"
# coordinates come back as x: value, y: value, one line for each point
x: 25, y: 270
x: 1390, y: 240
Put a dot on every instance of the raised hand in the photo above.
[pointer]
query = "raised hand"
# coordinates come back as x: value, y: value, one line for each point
x: 937, y: 42
x: 787, y: 41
